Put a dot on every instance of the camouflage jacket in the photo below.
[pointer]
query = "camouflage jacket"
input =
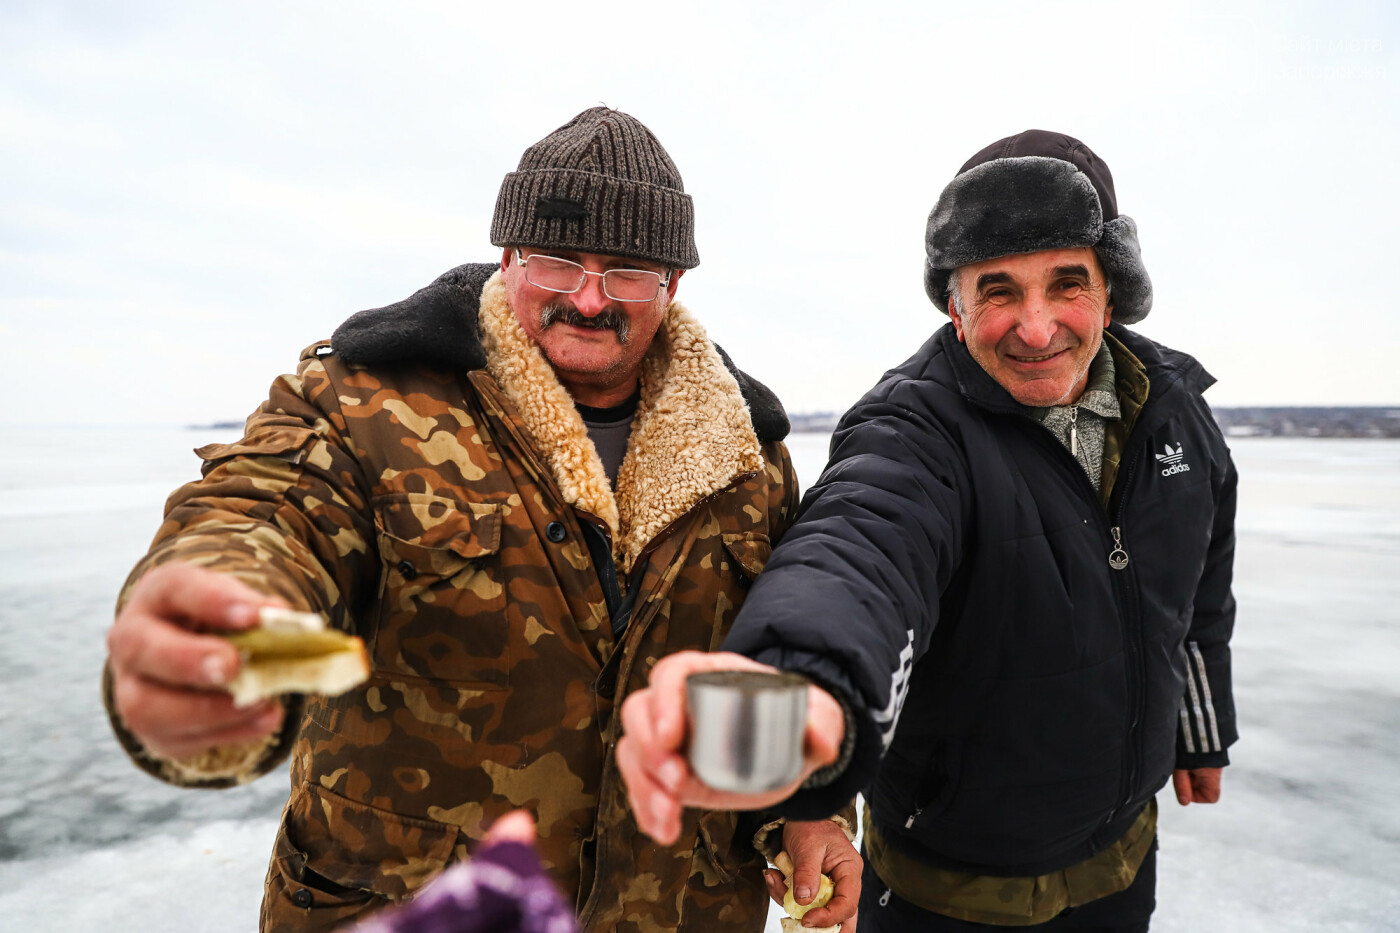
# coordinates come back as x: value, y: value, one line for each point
x: 438, y: 511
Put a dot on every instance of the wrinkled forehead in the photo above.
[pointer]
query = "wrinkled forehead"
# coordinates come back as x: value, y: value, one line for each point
x: 1033, y: 268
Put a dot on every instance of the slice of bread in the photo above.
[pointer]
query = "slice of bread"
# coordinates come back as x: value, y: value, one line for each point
x: 294, y: 652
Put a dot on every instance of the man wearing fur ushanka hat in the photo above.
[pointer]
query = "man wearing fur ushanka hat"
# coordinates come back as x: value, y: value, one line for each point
x: 521, y: 486
x: 1012, y: 580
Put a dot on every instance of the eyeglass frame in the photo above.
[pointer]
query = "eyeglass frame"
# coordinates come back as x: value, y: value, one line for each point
x: 661, y: 283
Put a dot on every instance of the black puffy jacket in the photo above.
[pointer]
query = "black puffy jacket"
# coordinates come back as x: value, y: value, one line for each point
x: 1018, y: 695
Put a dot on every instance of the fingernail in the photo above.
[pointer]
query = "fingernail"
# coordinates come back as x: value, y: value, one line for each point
x: 670, y: 774
x: 215, y: 669
x: 803, y: 893
x: 239, y: 615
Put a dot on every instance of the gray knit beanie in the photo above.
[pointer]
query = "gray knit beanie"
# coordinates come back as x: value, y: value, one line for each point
x: 1036, y: 191
x: 601, y: 183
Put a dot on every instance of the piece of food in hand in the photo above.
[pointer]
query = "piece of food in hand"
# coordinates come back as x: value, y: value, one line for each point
x: 793, y: 922
x: 294, y: 652
x: 790, y: 925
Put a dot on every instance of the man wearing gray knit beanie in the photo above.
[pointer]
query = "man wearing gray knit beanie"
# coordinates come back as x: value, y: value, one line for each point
x: 1013, y: 579
x: 519, y: 488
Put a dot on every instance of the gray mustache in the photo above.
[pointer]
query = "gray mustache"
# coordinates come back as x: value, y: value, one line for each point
x: 613, y: 319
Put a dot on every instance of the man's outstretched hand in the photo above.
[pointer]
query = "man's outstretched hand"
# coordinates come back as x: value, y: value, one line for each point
x: 169, y: 667
x: 651, y: 752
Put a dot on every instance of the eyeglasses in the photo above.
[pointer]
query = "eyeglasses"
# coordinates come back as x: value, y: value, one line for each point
x: 560, y: 275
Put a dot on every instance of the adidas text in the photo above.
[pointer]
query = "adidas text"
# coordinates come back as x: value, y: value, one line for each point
x: 1179, y: 468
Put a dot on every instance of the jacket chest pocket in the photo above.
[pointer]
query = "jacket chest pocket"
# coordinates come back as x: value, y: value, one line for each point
x: 442, y: 599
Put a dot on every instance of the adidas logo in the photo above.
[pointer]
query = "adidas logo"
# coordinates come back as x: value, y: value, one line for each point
x: 1171, y: 460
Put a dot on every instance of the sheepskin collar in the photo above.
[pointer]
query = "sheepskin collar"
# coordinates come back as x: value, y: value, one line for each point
x: 437, y: 326
x: 691, y: 436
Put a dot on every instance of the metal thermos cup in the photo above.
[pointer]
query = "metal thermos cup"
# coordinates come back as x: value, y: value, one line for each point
x: 746, y: 728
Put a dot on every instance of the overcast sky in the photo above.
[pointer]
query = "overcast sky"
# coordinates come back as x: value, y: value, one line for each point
x: 191, y: 193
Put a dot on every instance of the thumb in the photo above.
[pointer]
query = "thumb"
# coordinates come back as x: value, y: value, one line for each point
x: 806, y: 879
x: 1181, y: 783
x: 807, y: 859
x: 826, y: 727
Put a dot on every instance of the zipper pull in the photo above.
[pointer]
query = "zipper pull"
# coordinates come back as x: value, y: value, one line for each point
x: 909, y: 823
x: 1117, y: 558
x: 1074, y: 431
x: 885, y: 898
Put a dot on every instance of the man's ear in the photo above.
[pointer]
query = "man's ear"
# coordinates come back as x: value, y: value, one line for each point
x: 955, y: 316
x: 1102, y: 274
x: 957, y: 322
x: 506, y: 258
x: 671, y: 288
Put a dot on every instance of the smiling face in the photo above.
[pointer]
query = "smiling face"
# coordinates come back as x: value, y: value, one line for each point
x: 1034, y: 321
x: 594, y: 344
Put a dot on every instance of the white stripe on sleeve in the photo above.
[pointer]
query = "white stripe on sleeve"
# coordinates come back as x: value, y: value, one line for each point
x: 1185, y: 724
x: 1215, y: 745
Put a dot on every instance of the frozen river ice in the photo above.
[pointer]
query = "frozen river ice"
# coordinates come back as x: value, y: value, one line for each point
x: 1306, y: 838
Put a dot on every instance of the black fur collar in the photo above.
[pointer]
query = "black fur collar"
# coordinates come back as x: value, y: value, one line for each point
x: 437, y: 325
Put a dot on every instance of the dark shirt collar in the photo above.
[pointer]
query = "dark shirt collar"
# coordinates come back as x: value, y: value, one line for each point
x: 616, y: 413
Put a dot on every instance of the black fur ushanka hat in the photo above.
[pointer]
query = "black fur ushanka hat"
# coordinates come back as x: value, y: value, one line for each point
x: 1030, y: 192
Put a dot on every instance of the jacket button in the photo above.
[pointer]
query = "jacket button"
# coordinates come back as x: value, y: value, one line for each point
x: 302, y: 897
x: 555, y: 532
x: 406, y: 569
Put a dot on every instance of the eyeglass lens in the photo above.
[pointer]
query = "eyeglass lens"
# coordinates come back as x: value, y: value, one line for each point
x: 561, y: 275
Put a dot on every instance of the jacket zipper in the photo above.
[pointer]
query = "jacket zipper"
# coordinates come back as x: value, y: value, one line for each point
x: 613, y: 594
x: 1117, y: 558
x: 928, y: 790
x: 1134, y: 674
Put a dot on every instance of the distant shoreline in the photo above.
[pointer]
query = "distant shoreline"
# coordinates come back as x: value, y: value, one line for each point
x: 1366, y: 421
x: 1377, y: 421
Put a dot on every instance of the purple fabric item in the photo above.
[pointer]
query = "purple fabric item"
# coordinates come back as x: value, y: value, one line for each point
x: 503, y: 889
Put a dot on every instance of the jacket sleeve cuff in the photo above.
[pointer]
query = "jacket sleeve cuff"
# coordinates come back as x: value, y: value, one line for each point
x: 1188, y: 761
x: 768, y: 840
